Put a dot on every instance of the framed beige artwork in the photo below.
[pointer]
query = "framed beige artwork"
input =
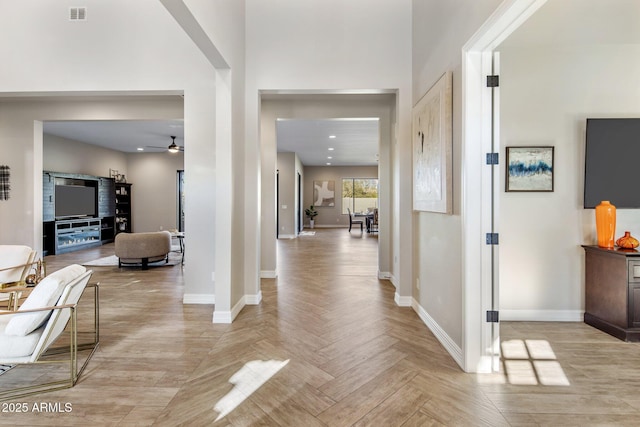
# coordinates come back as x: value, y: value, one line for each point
x: 324, y: 193
x: 432, y: 148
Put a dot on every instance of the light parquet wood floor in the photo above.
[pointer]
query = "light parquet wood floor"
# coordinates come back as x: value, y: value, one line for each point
x: 326, y: 347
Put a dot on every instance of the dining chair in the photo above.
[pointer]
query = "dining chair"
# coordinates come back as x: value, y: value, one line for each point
x: 352, y: 221
x: 374, y: 221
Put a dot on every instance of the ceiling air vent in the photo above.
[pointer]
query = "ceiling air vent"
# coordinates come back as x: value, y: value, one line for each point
x: 77, y: 14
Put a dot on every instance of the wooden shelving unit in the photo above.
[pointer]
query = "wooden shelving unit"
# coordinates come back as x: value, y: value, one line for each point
x: 123, y: 222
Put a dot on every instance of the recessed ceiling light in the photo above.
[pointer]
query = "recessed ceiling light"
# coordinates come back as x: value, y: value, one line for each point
x: 328, y: 164
x: 330, y: 148
x: 332, y: 137
x: 140, y: 149
x: 329, y: 157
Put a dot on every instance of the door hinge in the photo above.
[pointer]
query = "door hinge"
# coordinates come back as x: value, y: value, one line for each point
x: 492, y: 239
x: 493, y: 81
x: 492, y: 316
x: 493, y: 158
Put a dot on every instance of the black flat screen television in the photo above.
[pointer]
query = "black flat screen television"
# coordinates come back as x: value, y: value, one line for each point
x: 612, y: 162
x: 75, y: 201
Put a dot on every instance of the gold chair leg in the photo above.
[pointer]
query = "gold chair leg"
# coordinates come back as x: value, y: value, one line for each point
x: 12, y: 302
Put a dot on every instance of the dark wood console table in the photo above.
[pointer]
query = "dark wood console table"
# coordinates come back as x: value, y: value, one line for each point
x: 612, y: 291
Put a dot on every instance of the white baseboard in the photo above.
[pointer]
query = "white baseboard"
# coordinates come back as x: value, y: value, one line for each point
x: 287, y: 236
x: 228, y: 316
x: 238, y: 307
x: 253, y: 299
x: 452, y: 348
x: 222, y: 316
x: 541, y: 315
x: 267, y: 274
x: 393, y: 280
x: 402, y: 301
x: 384, y: 275
x: 199, y: 299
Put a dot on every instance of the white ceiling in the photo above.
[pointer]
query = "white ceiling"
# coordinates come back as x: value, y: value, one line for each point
x: 121, y: 135
x: 330, y: 142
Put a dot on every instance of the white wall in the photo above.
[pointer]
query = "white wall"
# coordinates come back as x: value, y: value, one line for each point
x: 154, y: 190
x: 440, y: 29
x: 223, y: 22
x: 338, y: 46
x: 287, y: 179
x: 65, y: 155
x: 331, y: 216
x: 541, y: 261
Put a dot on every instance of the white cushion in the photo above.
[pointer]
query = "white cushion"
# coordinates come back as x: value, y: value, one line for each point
x: 45, y: 294
x: 67, y: 274
x: 12, y: 346
x: 10, y: 256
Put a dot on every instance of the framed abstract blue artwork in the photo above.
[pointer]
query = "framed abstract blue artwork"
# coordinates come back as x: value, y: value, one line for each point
x: 529, y: 169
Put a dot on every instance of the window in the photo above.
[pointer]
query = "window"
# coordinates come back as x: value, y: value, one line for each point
x: 359, y: 194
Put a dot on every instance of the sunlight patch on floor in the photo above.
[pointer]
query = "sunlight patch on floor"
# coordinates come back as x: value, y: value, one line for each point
x: 532, y: 362
x: 246, y: 381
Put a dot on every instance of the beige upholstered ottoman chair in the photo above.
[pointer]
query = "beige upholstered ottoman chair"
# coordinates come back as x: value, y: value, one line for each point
x: 143, y: 248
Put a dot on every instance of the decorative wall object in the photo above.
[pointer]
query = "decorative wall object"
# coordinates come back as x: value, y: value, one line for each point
x: 117, y: 177
x: 432, y: 147
x: 324, y: 193
x: 529, y: 169
x: 5, y: 185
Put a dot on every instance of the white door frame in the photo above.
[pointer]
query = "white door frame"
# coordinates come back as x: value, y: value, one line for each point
x: 479, y: 341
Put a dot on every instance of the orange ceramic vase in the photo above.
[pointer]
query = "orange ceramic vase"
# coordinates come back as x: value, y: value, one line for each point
x: 606, y: 224
x: 627, y: 241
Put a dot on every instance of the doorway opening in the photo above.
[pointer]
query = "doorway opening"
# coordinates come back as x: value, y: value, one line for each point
x: 299, y: 204
x: 181, y: 200
x: 377, y: 109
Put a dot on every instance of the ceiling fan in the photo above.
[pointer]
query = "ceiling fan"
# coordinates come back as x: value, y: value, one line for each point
x: 172, y: 148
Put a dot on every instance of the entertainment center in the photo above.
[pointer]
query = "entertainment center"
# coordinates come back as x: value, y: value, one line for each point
x: 78, y: 211
x: 74, y: 234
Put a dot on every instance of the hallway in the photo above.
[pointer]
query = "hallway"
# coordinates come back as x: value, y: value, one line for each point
x: 326, y: 347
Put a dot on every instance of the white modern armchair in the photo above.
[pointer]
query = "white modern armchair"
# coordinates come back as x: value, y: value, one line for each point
x: 27, y: 335
x: 15, y: 263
